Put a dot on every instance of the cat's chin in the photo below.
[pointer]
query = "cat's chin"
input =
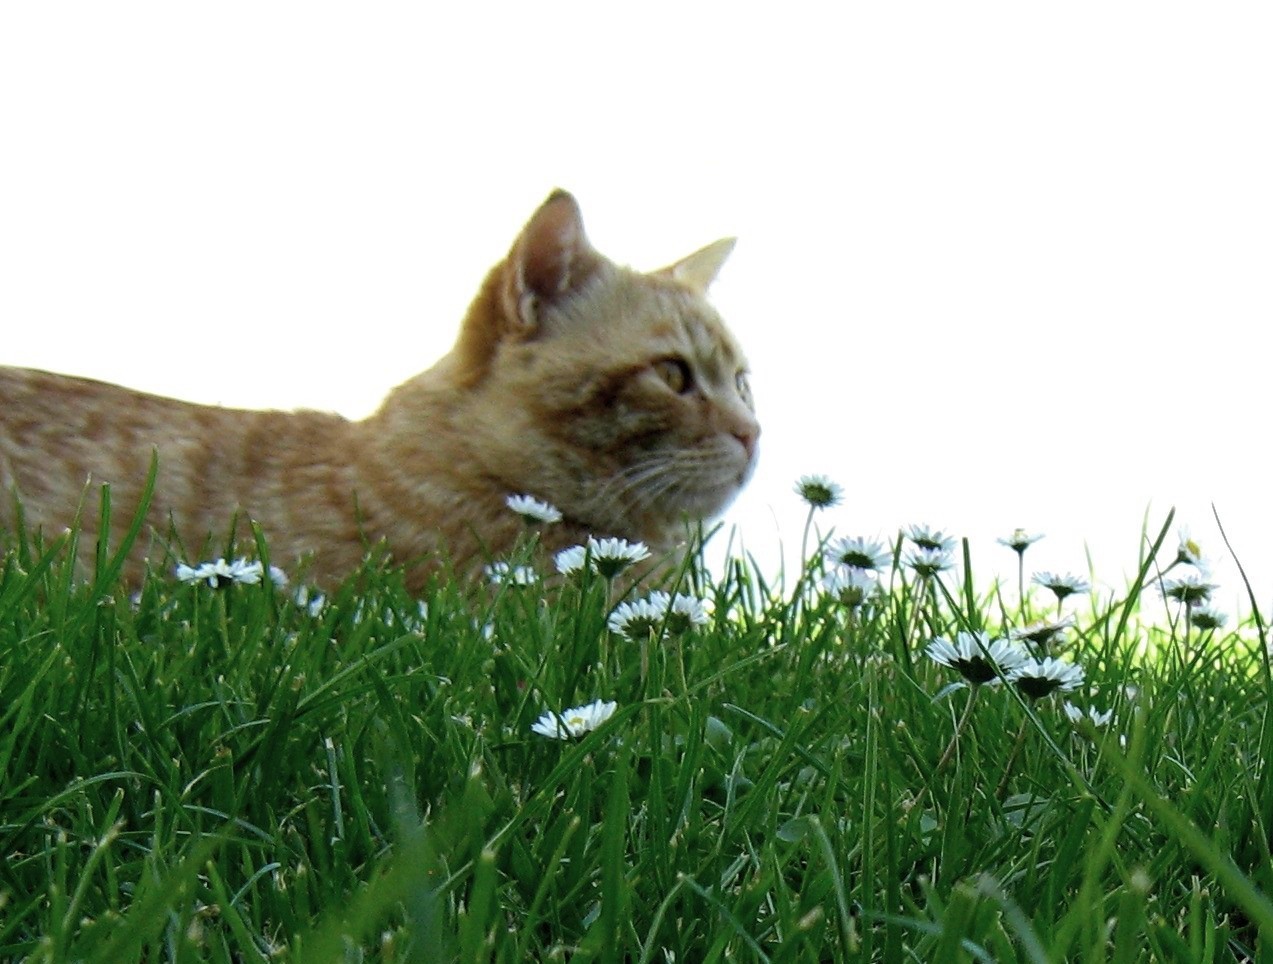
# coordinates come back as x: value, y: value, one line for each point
x: 708, y: 502
x: 710, y: 497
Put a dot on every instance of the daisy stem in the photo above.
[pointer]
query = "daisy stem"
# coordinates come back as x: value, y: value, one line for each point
x: 804, y: 541
x: 925, y: 592
x: 804, y: 580
x: 1021, y: 586
x: 680, y: 666
x: 603, y: 656
x: 933, y: 600
x: 912, y: 623
x: 959, y: 729
x: 224, y: 620
x: 1012, y: 757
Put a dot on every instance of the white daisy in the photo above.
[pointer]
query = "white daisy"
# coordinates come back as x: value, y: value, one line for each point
x: 570, y: 560
x: 188, y: 573
x: 851, y: 586
x: 974, y: 656
x: 1207, y: 616
x: 819, y: 491
x: 1037, y: 678
x: 532, y: 510
x: 1189, y: 551
x: 1061, y: 585
x: 927, y: 537
x: 858, y: 553
x: 639, y: 618
x: 1191, y: 589
x: 1019, y: 541
x: 503, y: 573
x: 1041, y: 633
x: 685, y: 612
x: 575, y: 721
x: 928, y: 562
x: 220, y: 573
x: 1098, y: 718
x: 247, y: 573
x: 611, y: 556
x: 608, y: 557
x: 312, y: 604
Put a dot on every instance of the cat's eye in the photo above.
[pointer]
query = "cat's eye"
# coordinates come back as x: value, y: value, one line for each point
x: 676, y: 374
x: 743, y: 385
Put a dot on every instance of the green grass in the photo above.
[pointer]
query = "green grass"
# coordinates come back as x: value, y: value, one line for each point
x: 191, y: 774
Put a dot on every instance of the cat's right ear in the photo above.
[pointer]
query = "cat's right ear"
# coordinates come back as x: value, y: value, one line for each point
x: 699, y: 270
x: 550, y: 259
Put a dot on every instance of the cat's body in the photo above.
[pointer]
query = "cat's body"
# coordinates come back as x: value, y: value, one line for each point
x: 618, y: 397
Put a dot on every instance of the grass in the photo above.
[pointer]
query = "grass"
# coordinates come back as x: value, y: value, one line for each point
x: 199, y: 774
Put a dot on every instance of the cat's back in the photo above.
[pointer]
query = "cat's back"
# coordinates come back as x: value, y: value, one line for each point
x: 61, y: 435
x: 35, y: 404
x: 67, y: 421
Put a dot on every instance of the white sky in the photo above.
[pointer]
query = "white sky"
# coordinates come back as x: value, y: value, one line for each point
x: 999, y: 266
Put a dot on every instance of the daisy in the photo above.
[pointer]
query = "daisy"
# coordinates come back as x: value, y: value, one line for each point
x: 503, y: 573
x: 929, y: 538
x: 247, y: 573
x: 192, y: 573
x: 1019, y: 541
x: 575, y: 721
x: 1189, y: 552
x: 1043, y: 634
x: 684, y: 612
x: 1099, y: 718
x: 639, y: 618
x: 928, y: 562
x: 1206, y: 616
x: 611, y: 556
x: 851, y: 586
x: 532, y: 510
x: 1191, y: 589
x: 311, y: 603
x: 278, y: 577
x: 858, y: 553
x: 819, y: 491
x: 1061, y: 585
x: 220, y: 573
x: 1037, y: 678
x: 570, y: 560
x: 974, y: 656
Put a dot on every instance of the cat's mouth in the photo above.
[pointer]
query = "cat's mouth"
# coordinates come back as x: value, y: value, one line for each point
x: 705, y: 492
x: 710, y: 502
x: 668, y: 485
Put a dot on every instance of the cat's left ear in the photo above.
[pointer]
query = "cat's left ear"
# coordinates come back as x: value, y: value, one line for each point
x: 699, y: 270
x: 551, y: 259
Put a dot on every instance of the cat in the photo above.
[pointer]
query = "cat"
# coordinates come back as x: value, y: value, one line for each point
x: 618, y: 397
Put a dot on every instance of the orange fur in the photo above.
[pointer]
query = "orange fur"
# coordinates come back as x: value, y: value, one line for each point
x: 616, y: 396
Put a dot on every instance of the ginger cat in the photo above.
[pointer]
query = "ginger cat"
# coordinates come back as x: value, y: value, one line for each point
x: 618, y: 397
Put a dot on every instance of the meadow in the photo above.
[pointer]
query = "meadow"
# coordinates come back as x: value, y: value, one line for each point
x: 906, y: 759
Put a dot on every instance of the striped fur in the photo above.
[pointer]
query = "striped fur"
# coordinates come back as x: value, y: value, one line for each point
x: 617, y: 396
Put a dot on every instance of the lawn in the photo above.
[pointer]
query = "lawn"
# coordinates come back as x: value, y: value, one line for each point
x: 826, y: 765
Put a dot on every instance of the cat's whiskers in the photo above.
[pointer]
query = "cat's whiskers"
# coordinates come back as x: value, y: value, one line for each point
x: 631, y: 487
x: 685, y: 474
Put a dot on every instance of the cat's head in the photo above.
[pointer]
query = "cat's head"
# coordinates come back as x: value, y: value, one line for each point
x: 624, y: 400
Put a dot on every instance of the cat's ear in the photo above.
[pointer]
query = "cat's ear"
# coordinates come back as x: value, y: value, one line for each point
x: 699, y: 270
x: 550, y: 259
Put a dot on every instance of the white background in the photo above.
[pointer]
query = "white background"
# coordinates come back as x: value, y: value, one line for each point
x: 1000, y: 264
